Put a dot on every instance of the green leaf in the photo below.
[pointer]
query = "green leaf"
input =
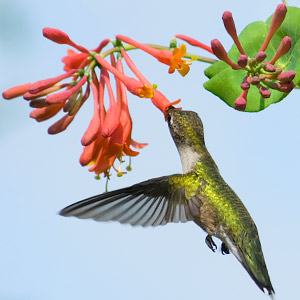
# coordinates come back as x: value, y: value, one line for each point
x: 225, y: 82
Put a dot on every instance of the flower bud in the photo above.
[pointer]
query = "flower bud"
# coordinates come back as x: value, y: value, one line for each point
x: 46, y: 83
x: 286, y: 76
x: 276, y: 21
x: 66, y: 94
x: 56, y: 35
x: 265, y: 93
x: 61, y: 124
x: 286, y: 87
x: 243, y: 60
x: 269, y: 67
x: 38, y: 103
x: 283, y: 49
x: 255, y: 80
x: 16, y: 91
x: 245, y: 85
x: 221, y: 54
x: 193, y: 42
x: 230, y: 28
x: 240, y: 103
x: 260, y: 57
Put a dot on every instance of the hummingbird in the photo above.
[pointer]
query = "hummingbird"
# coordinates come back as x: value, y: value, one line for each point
x: 199, y: 194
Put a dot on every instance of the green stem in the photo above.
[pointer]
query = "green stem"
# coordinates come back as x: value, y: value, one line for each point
x: 159, y: 47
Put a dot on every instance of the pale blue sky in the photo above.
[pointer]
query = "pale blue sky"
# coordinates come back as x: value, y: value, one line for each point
x: 45, y: 256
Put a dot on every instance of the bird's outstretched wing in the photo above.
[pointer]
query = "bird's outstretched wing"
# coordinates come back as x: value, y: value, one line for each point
x: 153, y: 202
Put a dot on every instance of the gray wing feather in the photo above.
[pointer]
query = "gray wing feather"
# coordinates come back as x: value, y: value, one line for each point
x: 150, y: 203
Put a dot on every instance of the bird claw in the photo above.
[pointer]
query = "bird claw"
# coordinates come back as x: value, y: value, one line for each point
x: 224, y: 249
x: 210, y: 243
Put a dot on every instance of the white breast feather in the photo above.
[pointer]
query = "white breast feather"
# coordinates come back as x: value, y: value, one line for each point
x: 188, y: 157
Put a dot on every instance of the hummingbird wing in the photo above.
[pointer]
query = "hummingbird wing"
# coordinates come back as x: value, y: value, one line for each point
x: 154, y: 202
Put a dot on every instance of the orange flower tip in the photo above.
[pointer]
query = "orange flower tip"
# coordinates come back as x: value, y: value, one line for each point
x: 261, y: 56
x: 240, y: 103
x: 242, y: 60
x: 286, y: 76
x: 56, y: 35
x: 16, y: 91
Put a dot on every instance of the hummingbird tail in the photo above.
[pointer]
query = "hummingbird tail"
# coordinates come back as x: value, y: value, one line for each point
x: 252, y: 260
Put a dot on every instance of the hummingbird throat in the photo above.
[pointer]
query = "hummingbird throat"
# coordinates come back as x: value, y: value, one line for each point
x: 189, y: 157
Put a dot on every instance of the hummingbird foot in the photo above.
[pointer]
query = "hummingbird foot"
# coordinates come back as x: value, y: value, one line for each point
x: 210, y: 243
x: 224, y: 249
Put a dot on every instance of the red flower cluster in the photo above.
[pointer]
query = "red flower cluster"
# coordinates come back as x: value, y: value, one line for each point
x: 108, y: 136
x: 264, y: 75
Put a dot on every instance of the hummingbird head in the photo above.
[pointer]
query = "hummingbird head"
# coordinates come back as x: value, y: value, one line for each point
x: 187, y: 132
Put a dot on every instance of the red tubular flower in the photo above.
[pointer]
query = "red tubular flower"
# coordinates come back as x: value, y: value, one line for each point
x: 45, y: 113
x: 16, y: 91
x: 193, y: 42
x: 230, y: 28
x: 64, y: 95
x: 276, y: 21
x: 158, y: 99
x: 283, y: 49
x: 60, y: 37
x: 161, y: 102
x: 30, y: 96
x: 174, y: 59
x: 133, y: 86
x: 101, y: 46
x: 61, y: 124
x: 125, y: 119
x: 134, y: 69
x: 75, y: 60
x: 46, y: 83
x: 221, y: 54
x: 112, y: 118
x: 94, y: 126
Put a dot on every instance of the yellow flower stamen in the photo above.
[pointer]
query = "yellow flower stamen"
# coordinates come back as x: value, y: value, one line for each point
x: 145, y: 92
